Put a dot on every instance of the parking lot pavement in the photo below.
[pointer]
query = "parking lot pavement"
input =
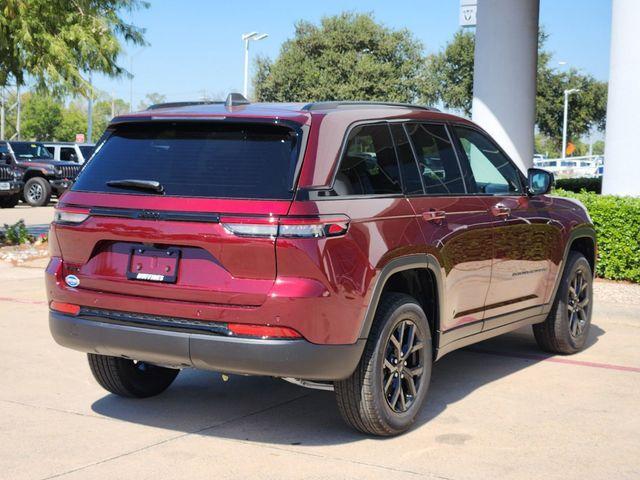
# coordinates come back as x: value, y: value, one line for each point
x: 500, y: 409
x: 37, y: 219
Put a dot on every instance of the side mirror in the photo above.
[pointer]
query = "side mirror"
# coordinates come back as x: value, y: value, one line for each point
x: 73, y: 158
x: 540, y: 181
x: 4, y: 158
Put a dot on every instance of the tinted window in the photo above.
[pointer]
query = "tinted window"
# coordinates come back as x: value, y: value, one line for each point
x: 87, y: 151
x: 437, y: 162
x: 492, y: 171
x: 66, y: 153
x: 30, y: 150
x: 408, y: 167
x: 369, y: 164
x: 197, y: 160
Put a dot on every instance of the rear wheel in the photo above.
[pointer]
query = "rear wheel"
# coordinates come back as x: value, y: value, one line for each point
x: 37, y: 192
x: 384, y: 394
x: 9, y: 201
x: 566, y: 329
x: 129, y: 378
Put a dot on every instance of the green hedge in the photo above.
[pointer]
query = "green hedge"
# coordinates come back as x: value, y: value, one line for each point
x: 617, y: 222
x: 578, y: 184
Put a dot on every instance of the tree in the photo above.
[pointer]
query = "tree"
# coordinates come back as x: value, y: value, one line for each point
x: 449, y: 74
x: 449, y: 79
x: 54, y: 42
x: 347, y: 57
x: 152, y: 98
x: 41, y: 117
x: 74, y: 121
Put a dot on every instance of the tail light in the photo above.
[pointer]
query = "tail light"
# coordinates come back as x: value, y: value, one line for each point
x: 70, y: 215
x: 321, y: 226
x: 62, y: 307
x: 262, y: 331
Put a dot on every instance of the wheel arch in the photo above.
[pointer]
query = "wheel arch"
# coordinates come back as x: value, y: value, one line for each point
x: 32, y: 172
x: 581, y: 239
x: 418, y: 275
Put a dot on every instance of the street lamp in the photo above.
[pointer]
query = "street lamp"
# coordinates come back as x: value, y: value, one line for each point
x: 564, y: 123
x: 247, y: 37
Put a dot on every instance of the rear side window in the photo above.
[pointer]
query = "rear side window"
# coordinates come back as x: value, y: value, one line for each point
x: 437, y: 160
x: 408, y: 167
x: 219, y: 160
x: 67, y: 153
x: 369, y: 165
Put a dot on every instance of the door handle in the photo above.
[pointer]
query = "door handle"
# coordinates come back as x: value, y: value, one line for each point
x: 434, y: 215
x: 500, y: 210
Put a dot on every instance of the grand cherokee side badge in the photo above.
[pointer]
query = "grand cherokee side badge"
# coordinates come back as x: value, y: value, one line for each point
x: 72, y: 280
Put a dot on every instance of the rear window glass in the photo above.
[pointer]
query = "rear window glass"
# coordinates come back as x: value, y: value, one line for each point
x: 197, y: 160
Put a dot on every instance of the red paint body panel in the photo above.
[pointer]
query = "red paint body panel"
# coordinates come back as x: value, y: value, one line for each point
x: 320, y: 287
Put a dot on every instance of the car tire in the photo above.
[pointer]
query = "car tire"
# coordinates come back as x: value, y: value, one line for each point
x: 37, y: 192
x: 9, y: 201
x: 128, y: 378
x: 368, y: 399
x: 566, y: 329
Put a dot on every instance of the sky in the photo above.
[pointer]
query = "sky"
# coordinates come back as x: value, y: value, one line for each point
x: 196, y: 47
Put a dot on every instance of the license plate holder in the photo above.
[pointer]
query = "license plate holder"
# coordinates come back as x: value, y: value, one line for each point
x: 152, y: 264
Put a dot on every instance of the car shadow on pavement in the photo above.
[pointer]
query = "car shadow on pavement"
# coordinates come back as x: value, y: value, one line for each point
x: 269, y: 410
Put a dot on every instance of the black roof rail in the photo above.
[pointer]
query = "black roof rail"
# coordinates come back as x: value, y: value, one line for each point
x: 330, y: 105
x: 233, y: 100
x: 183, y: 104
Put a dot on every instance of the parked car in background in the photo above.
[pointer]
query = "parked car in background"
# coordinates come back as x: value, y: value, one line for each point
x: 10, y: 179
x: 70, y: 152
x: 337, y: 245
x: 43, y: 176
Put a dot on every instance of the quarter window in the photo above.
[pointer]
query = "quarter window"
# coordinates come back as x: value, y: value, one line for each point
x: 437, y: 162
x: 369, y: 165
x: 493, y: 173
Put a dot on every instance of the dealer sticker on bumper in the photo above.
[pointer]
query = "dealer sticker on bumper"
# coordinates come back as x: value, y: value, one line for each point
x: 5, y: 186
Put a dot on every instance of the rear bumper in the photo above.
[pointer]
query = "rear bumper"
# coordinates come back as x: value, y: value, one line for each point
x: 277, y: 358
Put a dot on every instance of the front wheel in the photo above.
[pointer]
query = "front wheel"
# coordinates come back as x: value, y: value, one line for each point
x: 384, y: 394
x: 37, y: 192
x: 128, y: 378
x: 566, y: 329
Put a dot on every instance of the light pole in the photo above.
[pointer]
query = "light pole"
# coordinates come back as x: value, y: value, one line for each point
x: 90, y: 111
x: 247, y: 37
x: 565, y: 118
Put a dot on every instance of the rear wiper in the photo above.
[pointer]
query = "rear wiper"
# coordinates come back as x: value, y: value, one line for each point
x: 135, y: 183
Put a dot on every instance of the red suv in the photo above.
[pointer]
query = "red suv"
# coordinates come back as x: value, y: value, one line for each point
x: 337, y: 245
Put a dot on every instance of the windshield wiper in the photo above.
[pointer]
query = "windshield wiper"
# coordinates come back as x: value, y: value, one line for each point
x: 137, y: 184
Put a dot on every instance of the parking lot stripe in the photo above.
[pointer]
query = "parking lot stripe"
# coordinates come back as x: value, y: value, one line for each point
x: 22, y: 300
x: 542, y: 358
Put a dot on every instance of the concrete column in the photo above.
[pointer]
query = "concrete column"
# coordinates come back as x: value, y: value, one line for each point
x: 504, y: 82
x: 621, y: 164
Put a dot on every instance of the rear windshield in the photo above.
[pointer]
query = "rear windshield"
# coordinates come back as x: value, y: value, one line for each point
x: 220, y: 160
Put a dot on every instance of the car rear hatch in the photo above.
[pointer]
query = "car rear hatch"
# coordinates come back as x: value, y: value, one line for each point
x: 162, y: 208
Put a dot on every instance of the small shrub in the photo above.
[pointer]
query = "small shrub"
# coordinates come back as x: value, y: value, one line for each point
x: 16, y: 234
x: 617, y: 223
x: 576, y: 185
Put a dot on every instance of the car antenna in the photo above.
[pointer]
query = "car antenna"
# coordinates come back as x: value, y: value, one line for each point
x: 235, y: 100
